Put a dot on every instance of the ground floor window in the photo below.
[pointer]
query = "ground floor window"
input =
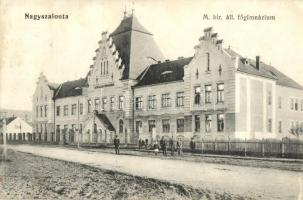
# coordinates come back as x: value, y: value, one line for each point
x: 180, y: 125
x: 269, y: 125
x: 120, y: 126
x: 280, y: 127
x: 208, y: 120
x: 197, y: 123
x: 220, y: 122
x: 165, y: 126
x: 151, y: 125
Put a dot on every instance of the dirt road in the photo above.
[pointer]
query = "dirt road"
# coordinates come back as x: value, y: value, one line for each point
x: 259, y: 183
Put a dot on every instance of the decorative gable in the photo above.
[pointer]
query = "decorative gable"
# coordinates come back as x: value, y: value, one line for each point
x: 107, y: 68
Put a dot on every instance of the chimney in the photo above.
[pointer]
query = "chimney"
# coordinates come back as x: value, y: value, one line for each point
x: 258, y: 63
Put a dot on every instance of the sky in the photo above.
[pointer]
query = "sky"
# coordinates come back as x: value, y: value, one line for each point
x: 63, y: 49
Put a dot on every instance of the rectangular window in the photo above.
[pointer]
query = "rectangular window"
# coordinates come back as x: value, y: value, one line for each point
x: 296, y: 104
x: 138, y: 126
x: 208, y: 95
x: 291, y: 104
x: 280, y: 127
x: 180, y: 99
x: 138, y: 103
x: 65, y: 127
x: 152, y: 102
x: 165, y: 100
x: 74, y: 109
x: 81, y: 109
x: 208, y: 120
x: 220, y: 122
x: 197, y: 123
x: 269, y: 96
x: 104, y: 102
x: 45, y: 111
x: 80, y: 128
x: 197, y: 99
x: 269, y: 125
x: 97, y: 103
x: 151, y: 125
x: 180, y: 125
x: 301, y: 104
x: 58, y: 110
x: 89, y: 106
x: 165, y: 126
x: 112, y: 103
x: 280, y: 102
x: 65, y: 110
x: 58, y: 128
x: 37, y: 111
x: 220, y: 92
x: 41, y: 111
x: 121, y: 100
x: 207, y: 62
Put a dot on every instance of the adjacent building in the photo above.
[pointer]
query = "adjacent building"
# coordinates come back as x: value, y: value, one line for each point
x: 17, y: 129
x: 131, y: 90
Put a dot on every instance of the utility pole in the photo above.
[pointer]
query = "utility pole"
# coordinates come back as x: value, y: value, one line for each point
x: 78, y: 139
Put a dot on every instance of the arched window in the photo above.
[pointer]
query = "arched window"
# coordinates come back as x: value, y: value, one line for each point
x: 207, y: 62
x: 120, y: 126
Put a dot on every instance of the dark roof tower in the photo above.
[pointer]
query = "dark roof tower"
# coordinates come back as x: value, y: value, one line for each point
x: 134, y: 44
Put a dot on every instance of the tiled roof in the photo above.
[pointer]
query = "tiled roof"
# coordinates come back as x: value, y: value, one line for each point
x: 164, y: 72
x: 106, y: 121
x: 266, y: 71
x: 70, y: 88
x: 134, y: 43
x: 8, y: 120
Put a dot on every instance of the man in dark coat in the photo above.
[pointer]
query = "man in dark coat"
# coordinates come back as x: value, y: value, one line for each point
x: 117, y: 144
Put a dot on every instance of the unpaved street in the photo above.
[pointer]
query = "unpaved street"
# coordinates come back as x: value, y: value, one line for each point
x: 259, y: 183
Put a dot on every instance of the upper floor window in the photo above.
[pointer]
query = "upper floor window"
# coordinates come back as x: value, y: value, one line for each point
x: 197, y: 99
x: 269, y: 97
x: 208, y: 95
x: 301, y: 104
x: 89, y: 106
x: 165, y: 100
x: 291, y: 104
x: 104, y: 102
x: 37, y: 111
x: 97, y: 103
x: 138, y: 102
x: 45, y: 111
x: 280, y: 102
x: 208, y: 120
x: 121, y: 100
x: 65, y: 110
x: 180, y: 125
x: 151, y: 101
x: 112, y: 103
x: 207, y: 62
x: 74, y: 109
x: 41, y: 111
x: 58, y: 110
x: 180, y: 99
x: 220, y: 92
x: 165, y: 126
x: 81, y: 108
x: 220, y: 122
